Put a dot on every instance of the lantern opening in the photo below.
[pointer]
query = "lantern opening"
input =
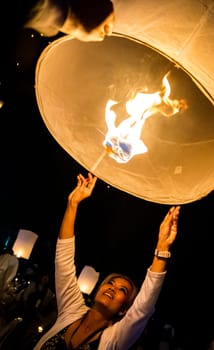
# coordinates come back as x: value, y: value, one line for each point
x: 124, y: 141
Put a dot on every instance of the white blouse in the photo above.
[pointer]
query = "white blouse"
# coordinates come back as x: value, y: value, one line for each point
x: 71, y: 304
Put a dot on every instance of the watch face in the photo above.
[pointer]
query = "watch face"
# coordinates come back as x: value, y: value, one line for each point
x: 162, y: 254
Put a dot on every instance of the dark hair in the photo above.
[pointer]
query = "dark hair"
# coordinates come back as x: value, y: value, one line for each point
x: 90, y: 13
x: 63, y: 7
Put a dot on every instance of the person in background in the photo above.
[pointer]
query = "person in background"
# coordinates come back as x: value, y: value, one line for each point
x: 45, y: 21
x: 85, y: 20
x: 38, y: 297
x: 38, y: 310
x: 9, y: 264
x: 118, y: 314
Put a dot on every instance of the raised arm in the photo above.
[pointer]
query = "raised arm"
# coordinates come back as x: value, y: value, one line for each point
x: 83, y: 190
x: 167, y: 235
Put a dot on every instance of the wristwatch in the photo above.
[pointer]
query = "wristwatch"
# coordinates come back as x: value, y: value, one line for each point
x: 162, y: 254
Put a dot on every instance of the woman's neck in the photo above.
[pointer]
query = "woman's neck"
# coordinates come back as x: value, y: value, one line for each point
x: 95, y: 319
x: 89, y: 327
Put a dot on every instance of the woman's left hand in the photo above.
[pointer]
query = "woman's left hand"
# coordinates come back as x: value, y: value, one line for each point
x: 168, y: 229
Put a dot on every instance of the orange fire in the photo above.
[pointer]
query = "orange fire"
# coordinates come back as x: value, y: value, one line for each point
x: 124, y: 141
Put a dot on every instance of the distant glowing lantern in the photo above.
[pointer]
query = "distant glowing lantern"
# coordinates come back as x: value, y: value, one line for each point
x: 88, y: 279
x: 24, y: 243
x: 40, y: 329
x: 87, y: 90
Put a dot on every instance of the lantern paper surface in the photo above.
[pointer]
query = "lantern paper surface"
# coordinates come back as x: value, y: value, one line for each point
x: 75, y: 80
x: 24, y: 243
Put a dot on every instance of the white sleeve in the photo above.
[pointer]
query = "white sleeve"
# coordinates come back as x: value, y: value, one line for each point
x: 124, y: 333
x: 69, y: 297
x: 70, y: 302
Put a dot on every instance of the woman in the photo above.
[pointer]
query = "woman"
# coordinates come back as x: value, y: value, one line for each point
x: 117, y: 316
x: 85, y: 20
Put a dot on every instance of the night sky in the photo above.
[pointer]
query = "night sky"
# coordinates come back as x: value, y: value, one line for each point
x: 115, y: 231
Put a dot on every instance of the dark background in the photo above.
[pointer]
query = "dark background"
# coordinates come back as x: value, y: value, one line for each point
x: 115, y: 231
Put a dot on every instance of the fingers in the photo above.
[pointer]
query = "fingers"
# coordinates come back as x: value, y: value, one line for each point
x: 175, y: 213
x: 92, y: 180
x: 81, y: 178
x: 174, y: 224
x: 171, y: 217
x: 78, y: 180
x: 88, y: 182
x: 168, y: 217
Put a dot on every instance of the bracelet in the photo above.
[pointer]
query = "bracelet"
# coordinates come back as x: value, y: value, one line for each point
x: 162, y: 254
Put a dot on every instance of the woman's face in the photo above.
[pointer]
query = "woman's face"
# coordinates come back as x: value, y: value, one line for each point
x: 114, y: 295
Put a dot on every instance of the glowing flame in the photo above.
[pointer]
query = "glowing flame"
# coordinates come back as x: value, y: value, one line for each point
x: 124, y: 141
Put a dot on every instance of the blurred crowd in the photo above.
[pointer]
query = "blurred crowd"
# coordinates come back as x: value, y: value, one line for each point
x: 27, y: 304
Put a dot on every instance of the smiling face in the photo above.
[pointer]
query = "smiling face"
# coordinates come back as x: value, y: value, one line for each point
x: 114, y: 295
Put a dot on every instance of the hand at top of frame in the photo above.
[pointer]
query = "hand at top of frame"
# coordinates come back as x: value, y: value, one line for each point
x: 83, y: 189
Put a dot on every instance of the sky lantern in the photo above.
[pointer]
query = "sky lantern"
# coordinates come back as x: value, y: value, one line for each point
x: 87, y: 279
x: 137, y: 109
x: 24, y: 243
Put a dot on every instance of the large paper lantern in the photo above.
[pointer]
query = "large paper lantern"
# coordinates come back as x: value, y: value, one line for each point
x: 83, y: 89
x: 24, y: 243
